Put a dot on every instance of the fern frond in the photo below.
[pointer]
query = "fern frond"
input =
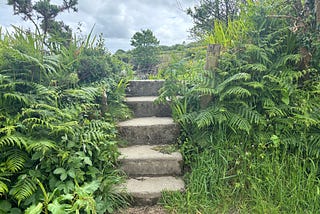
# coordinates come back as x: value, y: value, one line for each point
x: 37, y: 122
x: 252, y: 116
x: 314, y: 142
x: 236, y: 122
x: 275, y: 112
x: 15, y: 160
x: 86, y: 93
x: 257, y: 67
x: 42, y: 146
x: 211, y: 116
x: 21, y: 98
x: 65, y: 128
x: 3, y: 188
x: 23, y: 188
x: 206, y: 90
x: 255, y: 85
x: 56, y: 111
x: 237, y: 91
x: 258, y: 54
x: 8, y: 130
x: 100, y: 125
x: 288, y: 59
x: 238, y: 76
x: 13, y: 140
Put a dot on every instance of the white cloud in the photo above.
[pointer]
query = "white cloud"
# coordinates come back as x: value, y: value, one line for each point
x: 119, y: 20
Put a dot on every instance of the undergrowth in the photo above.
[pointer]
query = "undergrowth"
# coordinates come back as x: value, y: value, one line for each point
x: 253, y: 147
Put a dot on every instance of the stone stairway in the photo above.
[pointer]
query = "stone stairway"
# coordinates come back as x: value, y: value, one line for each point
x: 150, y: 171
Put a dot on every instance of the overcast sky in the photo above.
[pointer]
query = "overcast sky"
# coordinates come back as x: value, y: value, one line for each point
x: 119, y: 20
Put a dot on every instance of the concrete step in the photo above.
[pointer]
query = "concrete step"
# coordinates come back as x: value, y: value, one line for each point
x: 138, y: 88
x: 146, y: 107
x: 149, y: 130
x: 146, y: 160
x: 147, y: 190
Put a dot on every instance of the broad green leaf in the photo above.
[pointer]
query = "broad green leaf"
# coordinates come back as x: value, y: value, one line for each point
x: 87, y: 160
x: 33, y: 209
x: 71, y: 173
x: 5, y: 206
x: 58, y: 208
x: 59, y: 171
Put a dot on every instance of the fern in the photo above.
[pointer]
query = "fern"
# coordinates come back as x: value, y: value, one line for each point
x: 257, y: 67
x: 235, y: 77
x: 12, y: 97
x: 37, y: 122
x: 235, y: 91
x: 23, y: 188
x: 42, y: 146
x: 85, y: 93
x: 252, y: 115
x: 13, y: 140
x: 3, y: 188
x: 211, y: 116
x: 236, y: 122
x: 15, y: 160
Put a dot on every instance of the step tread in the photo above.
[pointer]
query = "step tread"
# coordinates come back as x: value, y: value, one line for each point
x: 149, y: 152
x: 154, y: 185
x: 148, y: 121
x: 141, y: 99
x: 158, y: 80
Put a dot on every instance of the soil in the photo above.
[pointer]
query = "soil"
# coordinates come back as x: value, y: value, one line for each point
x: 143, y: 210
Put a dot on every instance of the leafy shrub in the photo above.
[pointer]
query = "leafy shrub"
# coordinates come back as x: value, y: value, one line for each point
x: 257, y: 141
x: 58, y: 148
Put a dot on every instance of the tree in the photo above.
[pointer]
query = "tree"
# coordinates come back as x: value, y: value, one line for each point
x: 145, y: 53
x: 46, y: 12
x: 208, y: 11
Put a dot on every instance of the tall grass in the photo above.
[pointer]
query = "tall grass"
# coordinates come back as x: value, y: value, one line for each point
x: 234, y: 178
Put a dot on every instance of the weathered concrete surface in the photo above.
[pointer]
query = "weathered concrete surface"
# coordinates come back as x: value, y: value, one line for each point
x: 144, y: 160
x: 149, y: 130
x: 138, y: 88
x: 147, y: 190
x: 146, y: 107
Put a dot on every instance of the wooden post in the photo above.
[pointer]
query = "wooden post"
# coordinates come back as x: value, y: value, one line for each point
x: 317, y: 9
x: 213, y: 54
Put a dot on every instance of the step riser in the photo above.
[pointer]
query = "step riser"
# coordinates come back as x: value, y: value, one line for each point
x: 151, y: 167
x: 144, y: 88
x: 149, y: 135
x: 149, y: 109
x: 150, y: 194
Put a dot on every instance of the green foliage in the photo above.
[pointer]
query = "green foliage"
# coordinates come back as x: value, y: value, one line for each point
x: 47, y: 12
x: 208, y: 13
x: 145, y: 53
x: 57, y: 134
x: 256, y: 140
